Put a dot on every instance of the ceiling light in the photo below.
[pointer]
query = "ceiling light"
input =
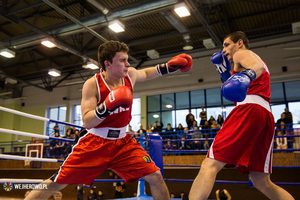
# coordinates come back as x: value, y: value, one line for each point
x: 153, y: 54
x: 209, y: 43
x: 90, y: 65
x: 116, y: 26
x: 48, y: 44
x: 155, y: 116
x: 169, y: 106
x: 188, y: 44
x: 182, y: 10
x: 7, y: 53
x: 292, y: 58
x: 54, y: 72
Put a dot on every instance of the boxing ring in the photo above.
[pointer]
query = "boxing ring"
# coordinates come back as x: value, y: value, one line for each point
x: 154, y: 142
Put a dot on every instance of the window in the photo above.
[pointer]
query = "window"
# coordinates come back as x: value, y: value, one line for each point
x: 136, y: 114
x: 77, y: 115
x: 57, y: 113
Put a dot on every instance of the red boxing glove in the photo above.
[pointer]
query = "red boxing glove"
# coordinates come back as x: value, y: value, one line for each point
x: 182, y: 61
x: 120, y: 96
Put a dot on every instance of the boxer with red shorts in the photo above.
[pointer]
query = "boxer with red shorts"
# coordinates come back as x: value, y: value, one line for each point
x: 246, y: 137
x: 106, y: 111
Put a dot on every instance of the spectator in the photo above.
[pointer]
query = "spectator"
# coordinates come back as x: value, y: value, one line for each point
x: 100, y: 195
x: 211, y: 119
x: 281, y: 142
x: 169, y: 132
x: 56, y: 128
x: 203, y: 116
x: 80, y: 191
x: 156, y: 128
x: 206, y: 130
x: 194, y: 125
x: 130, y: 131
x: 282, y: 119
x: 197, y: 135
x: 57, y: 195
x: 120, y: 188
x: 223, y: 194
x: 183, y: 196
x: 141, y: 130
x: 288, y: 116
x: 55, y: 146
x: 169, y: 145
x: 289, y: 122
x: 149, y: 130
x: 284, y: 130
x: 189, y: 119
x: 92, y: 195
x: 220, y: 120
x: 66, y: 146
x: 183, y: 145
x: 172, y: 195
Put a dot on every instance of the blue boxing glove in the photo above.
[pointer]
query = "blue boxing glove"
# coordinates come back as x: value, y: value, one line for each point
x: 222, y: 65
x: 236, y: 87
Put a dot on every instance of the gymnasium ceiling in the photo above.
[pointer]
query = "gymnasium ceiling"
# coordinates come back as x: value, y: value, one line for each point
x: 79, y: 27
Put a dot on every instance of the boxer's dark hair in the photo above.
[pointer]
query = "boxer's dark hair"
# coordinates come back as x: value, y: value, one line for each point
x: 108, y: 50
x: 237, y: 35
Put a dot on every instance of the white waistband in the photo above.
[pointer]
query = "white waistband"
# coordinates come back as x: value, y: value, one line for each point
x: 108, y: 132
x: 257, y: 100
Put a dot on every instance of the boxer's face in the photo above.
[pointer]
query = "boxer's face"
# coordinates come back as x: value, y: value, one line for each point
x: 229, y: 48
x: 119, y: 65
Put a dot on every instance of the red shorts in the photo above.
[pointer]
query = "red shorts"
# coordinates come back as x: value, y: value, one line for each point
x: 246, y: 139
x: 93, y: 154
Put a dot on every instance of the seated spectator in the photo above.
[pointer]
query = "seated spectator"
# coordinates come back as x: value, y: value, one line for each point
x: 100, y: 195
x: 149, y: 130
x: 215, y: 127
x: 57, y: 195
x: 169, y: 132
x: 184, y: 145
x: 193, y: 125
x: 92, y: 195
x: 196, y: 135
x: 281, y: 142
x: 211, y: 119
x: 169, y: 145
x: 130, y: 131
x: 55, y: 146
x: 141, y: 130
x: 66, y: 146
x: 220, y: 120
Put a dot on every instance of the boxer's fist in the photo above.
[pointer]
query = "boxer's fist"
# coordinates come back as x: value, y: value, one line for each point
x: 236, y: 87
x: 120, y: 96
x: 222, y: 65
x: 184, y: 62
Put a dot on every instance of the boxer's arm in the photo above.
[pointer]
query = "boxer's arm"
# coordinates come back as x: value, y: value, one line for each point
x: 246, y: 59
x: 89, y: 103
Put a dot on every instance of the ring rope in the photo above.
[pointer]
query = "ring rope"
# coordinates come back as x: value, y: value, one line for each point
x: 33, y: 135
x: 37, y: 117
x: 12, y: 157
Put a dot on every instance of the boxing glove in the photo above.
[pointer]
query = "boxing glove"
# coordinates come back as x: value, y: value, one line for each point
x: 120, y: 96
x: 236, y: 87
x: 222, y: 65
x: 184, y: 62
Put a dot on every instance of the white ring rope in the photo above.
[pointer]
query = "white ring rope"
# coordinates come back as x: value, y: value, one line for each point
x: 12, y: 157
x: 23, y: 133
x: 37, y: 117
x: 12, y: 180
x: 33, y: 135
